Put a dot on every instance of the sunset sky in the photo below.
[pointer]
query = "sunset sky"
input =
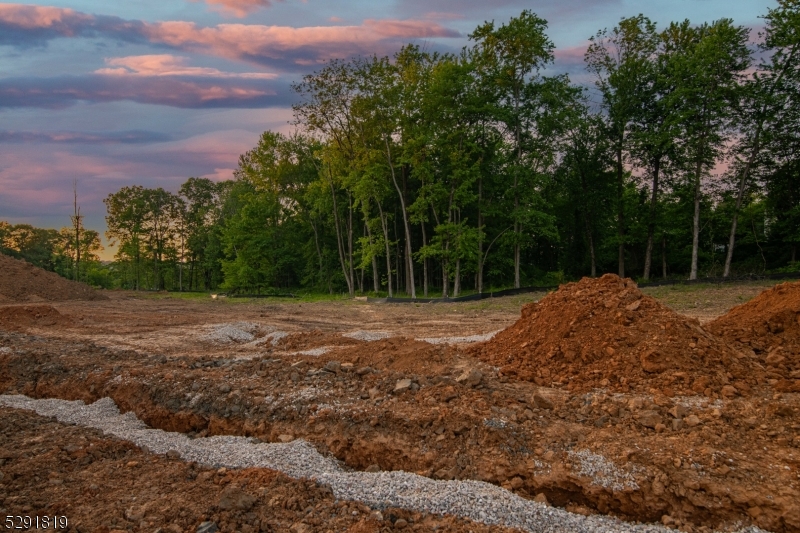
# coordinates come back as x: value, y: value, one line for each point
x: 151, y: 92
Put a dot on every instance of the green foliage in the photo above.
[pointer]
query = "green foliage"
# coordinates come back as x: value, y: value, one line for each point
x: 456, y: 172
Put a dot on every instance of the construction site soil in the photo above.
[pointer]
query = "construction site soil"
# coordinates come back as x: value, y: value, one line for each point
x: 22, y: 282
x: 598, y: 400
x: 606, y: 333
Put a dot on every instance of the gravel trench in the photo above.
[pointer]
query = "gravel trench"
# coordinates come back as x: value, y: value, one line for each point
x: 475, y: 500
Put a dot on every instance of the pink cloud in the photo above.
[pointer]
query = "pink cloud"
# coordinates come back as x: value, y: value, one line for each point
x: 42, y: 17
x: 571, y: 55
x: 169, y: 65
x: 22, y: 25
x: 239, y: 8
x: 251, y: 42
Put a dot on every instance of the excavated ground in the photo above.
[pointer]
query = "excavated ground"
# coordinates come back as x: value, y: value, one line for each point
x: 664, y: 445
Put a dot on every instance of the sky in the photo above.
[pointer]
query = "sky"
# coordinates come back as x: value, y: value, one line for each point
x: 152, y: 92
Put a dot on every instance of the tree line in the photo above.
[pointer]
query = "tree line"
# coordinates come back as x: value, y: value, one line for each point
x: 429, y: 172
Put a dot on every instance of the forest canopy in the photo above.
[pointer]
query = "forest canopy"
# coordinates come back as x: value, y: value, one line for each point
x: 427, y: 172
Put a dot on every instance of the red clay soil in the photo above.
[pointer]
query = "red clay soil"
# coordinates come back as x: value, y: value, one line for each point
x: 104, y: 485
x: 768, y: 327
x: 605, y: 333
x: 20, y: 281
x: 21, y: 317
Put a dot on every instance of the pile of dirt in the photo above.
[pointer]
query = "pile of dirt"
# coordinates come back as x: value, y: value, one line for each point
x: 21, y: 317
x: 605, y: 333
x: 768, y: 327
x: 21, y: 281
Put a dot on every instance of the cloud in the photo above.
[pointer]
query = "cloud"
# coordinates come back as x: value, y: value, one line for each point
x: 63, y: 91
x: 238, y: 8
x: 74, y: 137
x: 23, y: 26
x: 170, y: 65
x: 27, y: 175
x: 268, y: 44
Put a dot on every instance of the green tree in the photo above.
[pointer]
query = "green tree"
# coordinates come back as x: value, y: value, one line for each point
x: 622, y: 62
x: 707, y: 63
x: 769, y: 100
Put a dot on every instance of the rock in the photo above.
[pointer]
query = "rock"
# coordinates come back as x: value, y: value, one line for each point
x: 224, y: 388
x: 541, y: 498
x: 373, y: 468
x: 541, y: 402
x: 449, y: 393
x: 755, y: 511
x: 692, y: 421
x: 376, y: 515
x: 286, y: 438
x: 347, y: 367
x: 633, y: 306
x: 470, y: 378
x: 134, y: 514
x: 364, y: 370
x: 649, y: 419
x: 374, y: 392
x: 774, y: 359
x: 677, y: 424
x: 729, y: 391
x: 400, y: 523
x: 207, y: 527
x: 173, y: 454
x: 635, y: 404
x: 402, y: 385
x: 333, y: 366
x: 660, y: 428
x: 299, y: 527
x: 678, y: 411
x: 235, y: 498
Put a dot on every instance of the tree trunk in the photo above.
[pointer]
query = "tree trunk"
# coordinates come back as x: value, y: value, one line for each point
x: 375, y: 278
x: 350, y: 242
x: 479, y: 274
x: 409, y: 255
x: 696, y: 219
x: 794, y: 253
x: 651, y: 226
x: 339, y: 239
x: 445, y: 277
x: 424, y: 262
x: 664, y: 256
x: 518, y: 135
x: 385, y: 227
x: 319, y: 252
x: 591, y: 245
x: 620, y: 213
x: 739, y: 199
x: 457, y: 282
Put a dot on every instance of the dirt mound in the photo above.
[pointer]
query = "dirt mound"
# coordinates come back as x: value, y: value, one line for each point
x: 20, y: 317
x: 606, y: 333
x: 769, y: 326
x: 22, y: 282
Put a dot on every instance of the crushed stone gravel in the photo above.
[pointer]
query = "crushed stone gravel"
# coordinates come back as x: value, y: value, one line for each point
x: 468, y: 339
x: 368, y: 336
x: 475, y: 500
